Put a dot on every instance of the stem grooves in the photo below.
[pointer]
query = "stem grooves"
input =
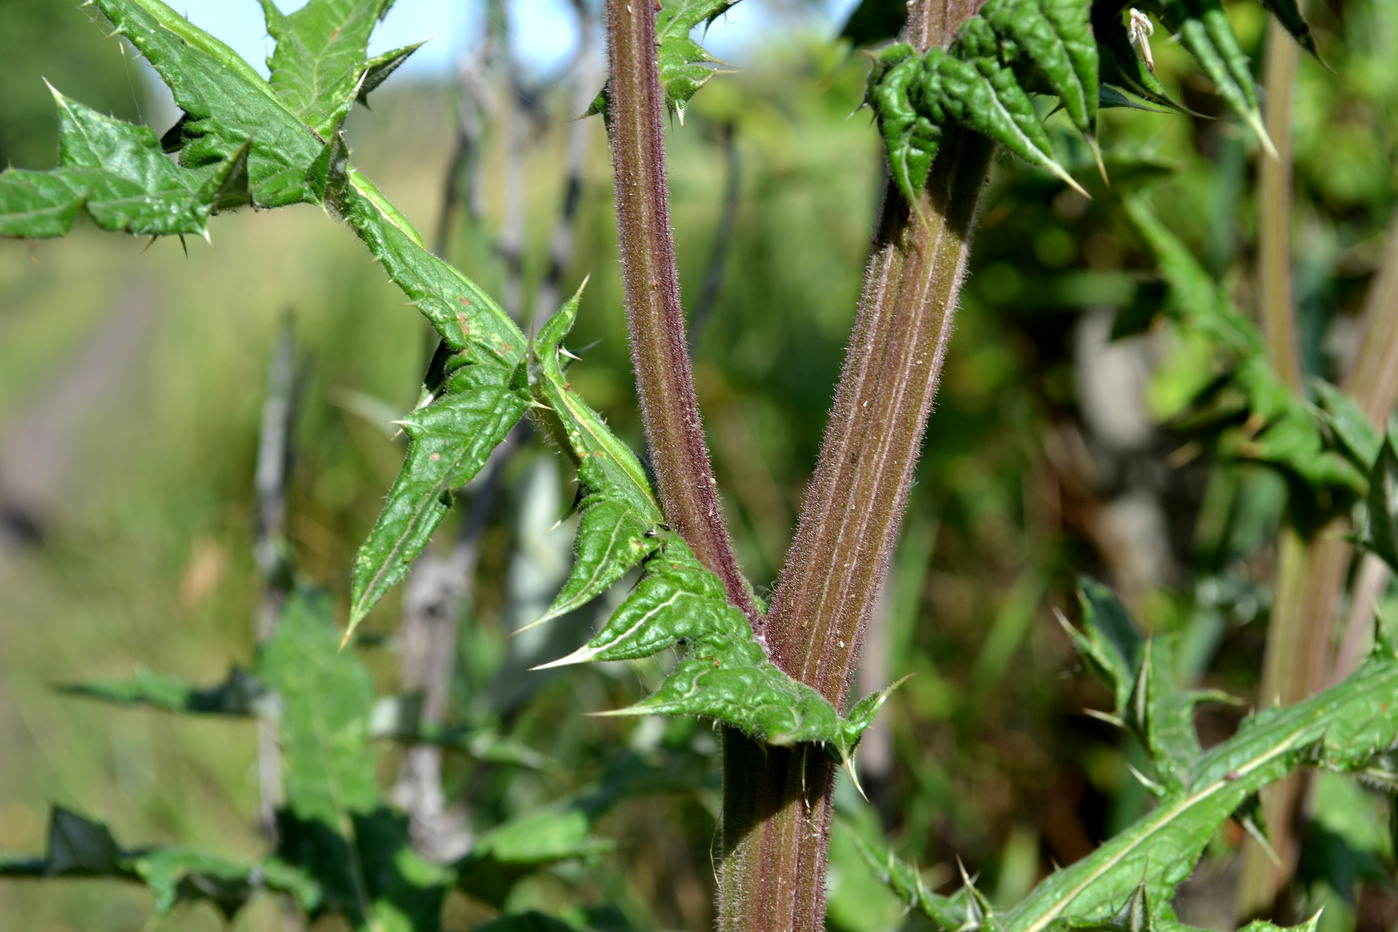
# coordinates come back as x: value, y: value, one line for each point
x: 659, y: 356
x: 777, y: 801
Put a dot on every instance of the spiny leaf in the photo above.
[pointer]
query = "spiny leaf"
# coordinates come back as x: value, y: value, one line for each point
x: 449, y: 441
x: 1355, y: 435
x: 378, y: 69
x: 1203, y: 28
x: 319, y: 58
x: 1059, y: 43
x: 619, y: 515
x: 725, y: 673
x: 118, y: 175
x: 225, y: 101
x: 982, y: 82
x: 910, y: 138
x: 685, y: 66
x: 1280, y: 428
x: 1340, y: 729
x: 964, y: 910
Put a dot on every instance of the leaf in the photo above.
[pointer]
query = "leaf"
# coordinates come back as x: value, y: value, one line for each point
x: 334, y: 824
x: 619, y: 515
x: 1141, y: 673
x: 241, y: 694
x: 449, y: 441
x: 1355, y: 435
x: 118, y: 175
x: 227, y: 104
x: 1119, y: 63
x: 685, y: 66
x: 81, y: 847
x: 1203, y: 28
x: 1341, y: 729
x: 1056, y: 37
x: 225, y: 101
x: 1382, y: 532
x: 1277, y: 427
x: 1288, y: 13
x: 966, y: 909
x: 988, y: 97
x: 378, y: 69
x: 910, y: 138
x: 318, y: 63
x: 725, y: 674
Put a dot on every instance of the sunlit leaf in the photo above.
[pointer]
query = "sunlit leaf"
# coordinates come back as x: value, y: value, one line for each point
x: 319, y: 60
x: 119, y: 177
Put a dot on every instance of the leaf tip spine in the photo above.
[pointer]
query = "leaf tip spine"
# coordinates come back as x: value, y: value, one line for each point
x: 581, y: 655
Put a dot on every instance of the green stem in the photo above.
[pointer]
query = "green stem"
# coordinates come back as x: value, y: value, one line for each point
x: 688, y: 492
x: 776, y: 816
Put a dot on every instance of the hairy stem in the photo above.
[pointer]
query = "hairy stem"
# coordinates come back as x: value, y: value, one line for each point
x: 777, y: 802
x: 688, y: 492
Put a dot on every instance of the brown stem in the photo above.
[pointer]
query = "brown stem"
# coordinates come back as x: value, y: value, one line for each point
x: 777, y: 802
x: 688, y: 492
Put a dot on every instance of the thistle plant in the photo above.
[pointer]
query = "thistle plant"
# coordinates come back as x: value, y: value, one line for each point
x: 774, y: 677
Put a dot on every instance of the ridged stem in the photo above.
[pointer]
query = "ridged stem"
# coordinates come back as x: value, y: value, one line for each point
x: 776, y: 817
x: 685, y: 480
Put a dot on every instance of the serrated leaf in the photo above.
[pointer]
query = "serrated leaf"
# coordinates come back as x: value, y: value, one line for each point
x: 225, y: 101
x: 619, y: 515
x: 334, y: 824
x: 961, y: 911
x: 1340, y: 730
x: 241, y: 694
x: 989, y: 98
x: 725, y: 673
x: 1055, y: 36
x: 318, y: 62
x: 378, y: 69
x: 449, y: 441
x: 1278, y: 427
x: 1109, y: 639
x: 685, y: 66
x: 910, y: 138
x: 1204, y: 30
x: 118, y: 175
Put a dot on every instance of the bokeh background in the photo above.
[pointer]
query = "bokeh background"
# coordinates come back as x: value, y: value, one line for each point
x: 132, y: 379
